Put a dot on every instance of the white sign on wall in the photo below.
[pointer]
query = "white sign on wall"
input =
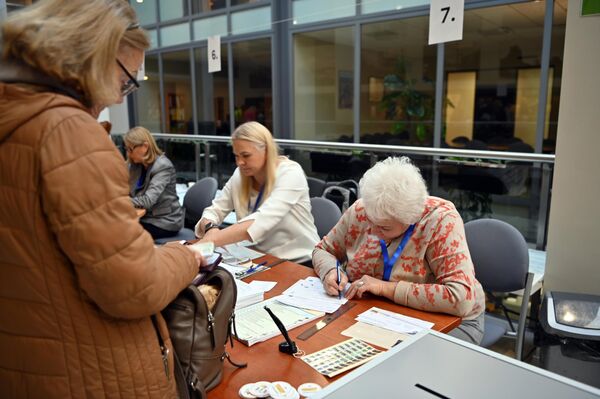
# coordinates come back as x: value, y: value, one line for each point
x: 214, y: 54
x: 446, y: 19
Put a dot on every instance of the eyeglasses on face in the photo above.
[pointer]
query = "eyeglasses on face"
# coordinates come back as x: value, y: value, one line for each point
x: 131, y: 148
x: 131, y: 85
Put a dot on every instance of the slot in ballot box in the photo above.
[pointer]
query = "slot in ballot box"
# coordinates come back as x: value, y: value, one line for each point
x: 434, y: 365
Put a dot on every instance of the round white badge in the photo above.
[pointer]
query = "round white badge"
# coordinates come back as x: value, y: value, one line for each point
x: 244, y: 392
x: 308, y: 389
x: 283, y: 390
x: 260, y: 389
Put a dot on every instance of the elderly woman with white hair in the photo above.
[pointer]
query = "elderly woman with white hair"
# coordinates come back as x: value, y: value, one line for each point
x: 398, y: 242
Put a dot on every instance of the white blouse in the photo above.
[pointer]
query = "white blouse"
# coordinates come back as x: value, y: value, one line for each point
x: 283, y: 224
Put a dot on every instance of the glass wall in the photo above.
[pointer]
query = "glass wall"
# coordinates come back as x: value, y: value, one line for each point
x: 559, y: 21
x: 173, y: 9
x: 212, y: 94
x: 493, y: 79
x: 177, y: 91
x: 397, y: 85
x: 323, y: 84
x: 252, y: 82
x: 199, y: 6
x: 148, y: 96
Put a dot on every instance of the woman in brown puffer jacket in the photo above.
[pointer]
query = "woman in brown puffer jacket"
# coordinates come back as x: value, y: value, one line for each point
x: 79, y: 276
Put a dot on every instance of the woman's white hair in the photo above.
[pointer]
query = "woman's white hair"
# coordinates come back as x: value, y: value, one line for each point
x: 394, y: 189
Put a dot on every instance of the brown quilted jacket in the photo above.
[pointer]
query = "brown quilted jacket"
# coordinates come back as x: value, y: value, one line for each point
x: 79, y: 277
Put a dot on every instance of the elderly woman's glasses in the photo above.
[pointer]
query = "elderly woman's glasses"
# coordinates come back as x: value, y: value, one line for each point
x: 131, y: 85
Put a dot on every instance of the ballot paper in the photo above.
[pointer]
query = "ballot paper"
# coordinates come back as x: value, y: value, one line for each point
x: 374, y: 335
x: 310, y: 294
x: 241, y: 252
x: 393, y: 321
x: 263, y: 286
x: 247, y: 294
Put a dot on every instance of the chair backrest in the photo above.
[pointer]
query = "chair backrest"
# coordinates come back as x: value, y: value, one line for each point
x: 499, y: 253
x: 198, y: 197
x: 315, y: 186
x: 326, y: 214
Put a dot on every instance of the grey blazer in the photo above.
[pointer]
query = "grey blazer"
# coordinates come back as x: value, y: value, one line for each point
x: 157, y: 195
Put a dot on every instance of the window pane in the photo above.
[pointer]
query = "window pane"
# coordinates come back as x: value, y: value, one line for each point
x: 146, y: 11
x: 252, y: 82
x: 397, y: 84
x: 238, y: 2
x: 200, y: 6
x: 153, y: 35
x: 148, y: 96
x: 556, y: 62
x: 178, y: 92
x: 206, y: 27
x: 176, y: 34
x: 386, y: 5
x: 172, y: 9
x: 305, y: 11
x: 323, y: 85
x: 212, y: 94
x: 253, y: 20
x: 493, y: 79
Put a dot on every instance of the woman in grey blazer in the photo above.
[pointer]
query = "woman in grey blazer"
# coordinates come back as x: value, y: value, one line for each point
x: 152, y: 184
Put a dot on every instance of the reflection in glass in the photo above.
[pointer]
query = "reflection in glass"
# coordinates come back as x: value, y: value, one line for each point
x: 501, y: 46
x: 200, y: 6
x: 323, y: 95
x: 387, y: 5
x: 148, y: 96
x: 177, y: 92
x: 253, y: 82
x: 212, y: 95
x: 397, y: 83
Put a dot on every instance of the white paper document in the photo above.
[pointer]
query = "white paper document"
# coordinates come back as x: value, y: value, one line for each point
x: 393, y: 321
x: 310, y: 294
x: 241, y: 252
x: 263, y: 286
x: 373, y: 334
x: 247, y: 294
x: 253, y: 323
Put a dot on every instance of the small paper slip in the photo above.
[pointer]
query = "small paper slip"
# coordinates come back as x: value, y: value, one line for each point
x: 310, y: 294
x: 393, y: 321
x: 242, y: 252
x: 341, y: 357
x: 263, y: 286
x: 253, y: 323
x: 233, y: 269
x: 373, y: 334
x: 247, y: 295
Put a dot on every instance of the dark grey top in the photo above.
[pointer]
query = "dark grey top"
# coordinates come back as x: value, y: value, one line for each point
x: 157, y: 195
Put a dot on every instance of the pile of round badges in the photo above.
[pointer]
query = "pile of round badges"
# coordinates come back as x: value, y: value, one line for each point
x: 278, y: 390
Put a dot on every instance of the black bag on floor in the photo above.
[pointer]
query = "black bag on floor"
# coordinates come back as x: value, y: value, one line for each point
x: 199, y: 336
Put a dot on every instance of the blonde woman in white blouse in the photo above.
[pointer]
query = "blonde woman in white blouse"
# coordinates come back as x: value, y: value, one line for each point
x: 269, y: 195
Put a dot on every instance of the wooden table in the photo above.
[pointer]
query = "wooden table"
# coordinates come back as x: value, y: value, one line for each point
x: 266, y: 363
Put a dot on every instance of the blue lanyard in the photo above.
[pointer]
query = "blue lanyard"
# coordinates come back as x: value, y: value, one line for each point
x: 260, y: 194
x: 388, y: 263
x: 141, y: 179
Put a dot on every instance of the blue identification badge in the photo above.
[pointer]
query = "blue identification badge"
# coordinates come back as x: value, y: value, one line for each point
x: 388, y: 263
x: 257, y: 203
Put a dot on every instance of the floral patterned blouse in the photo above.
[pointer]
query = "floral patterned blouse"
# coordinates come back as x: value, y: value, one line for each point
x: 434, y: 271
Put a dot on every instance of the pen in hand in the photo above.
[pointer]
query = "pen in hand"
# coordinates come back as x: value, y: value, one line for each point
x: 339, y: 278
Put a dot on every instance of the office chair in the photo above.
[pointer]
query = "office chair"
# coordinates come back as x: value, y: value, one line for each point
x: 501, y: 259
x: 315, y: 186
x: 326, y: 214
x: 198, y: 197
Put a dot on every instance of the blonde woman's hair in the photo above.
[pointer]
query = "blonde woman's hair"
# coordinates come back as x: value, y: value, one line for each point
x: 394, y: 189
x: 74, y: 41
x: 262, y: 138
x: 139, y: 135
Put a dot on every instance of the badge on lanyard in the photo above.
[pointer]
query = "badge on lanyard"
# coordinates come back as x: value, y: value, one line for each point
x: 388, y: 263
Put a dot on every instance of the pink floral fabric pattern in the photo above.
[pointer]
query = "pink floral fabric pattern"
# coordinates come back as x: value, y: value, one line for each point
x: 434, y: 272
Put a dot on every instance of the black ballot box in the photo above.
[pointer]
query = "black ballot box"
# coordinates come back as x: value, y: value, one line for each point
x: 570, y: 342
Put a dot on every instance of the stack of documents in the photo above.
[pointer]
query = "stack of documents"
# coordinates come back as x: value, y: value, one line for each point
x: 310, y: 294
x: 393, y: 321
x: 247, y: 294
x: 253, y: 324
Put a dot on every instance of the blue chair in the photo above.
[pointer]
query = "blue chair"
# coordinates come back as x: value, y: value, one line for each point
x: 501, y: 259
x: 198, y: 197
